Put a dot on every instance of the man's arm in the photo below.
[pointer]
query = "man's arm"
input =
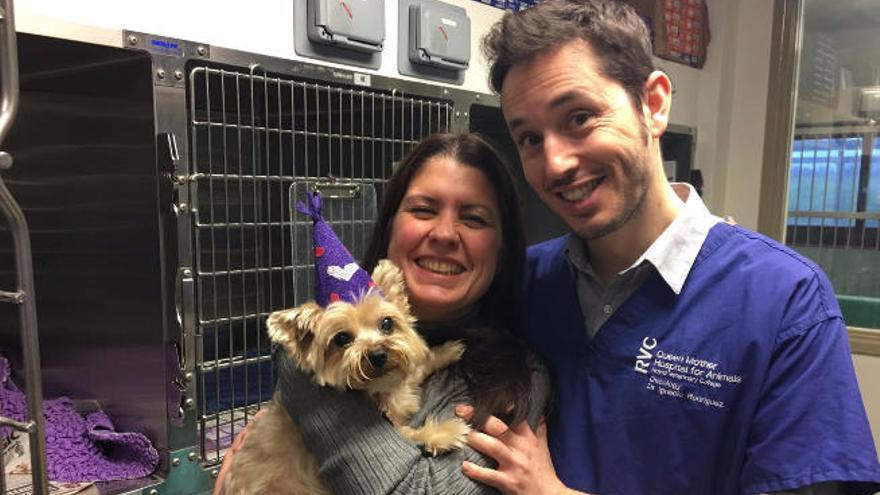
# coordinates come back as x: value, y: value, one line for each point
x: 358, y: 451
x: 809, y: 433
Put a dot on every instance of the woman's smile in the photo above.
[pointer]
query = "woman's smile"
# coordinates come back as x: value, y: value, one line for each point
x: 439, y: 266
x: 446, y: 238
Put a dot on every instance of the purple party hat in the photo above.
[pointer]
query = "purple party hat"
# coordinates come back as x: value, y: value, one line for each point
x: 337, y: 276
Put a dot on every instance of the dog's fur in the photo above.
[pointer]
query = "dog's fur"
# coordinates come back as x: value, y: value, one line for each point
x: 273, y: 458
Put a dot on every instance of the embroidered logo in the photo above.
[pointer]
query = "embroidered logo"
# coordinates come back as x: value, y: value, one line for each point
x: 644, y: 357
x: 683, y: 376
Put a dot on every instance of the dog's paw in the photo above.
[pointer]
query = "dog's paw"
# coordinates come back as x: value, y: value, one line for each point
x: 439, y: 437
x: 446, y: 353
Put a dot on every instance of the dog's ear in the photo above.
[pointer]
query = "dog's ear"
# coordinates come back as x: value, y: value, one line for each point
x: 389, y: 278
x: 294, y: 328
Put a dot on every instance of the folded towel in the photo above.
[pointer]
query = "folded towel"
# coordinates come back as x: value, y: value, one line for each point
x: 80, y: 448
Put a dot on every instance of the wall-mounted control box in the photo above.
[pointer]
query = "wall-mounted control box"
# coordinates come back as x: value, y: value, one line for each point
x: 352, y: 24
x: 350, y: 32
x: 434, y: 40
x: 439, y: 35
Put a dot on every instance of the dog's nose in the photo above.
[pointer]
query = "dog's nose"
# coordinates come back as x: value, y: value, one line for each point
x: 378, y: 358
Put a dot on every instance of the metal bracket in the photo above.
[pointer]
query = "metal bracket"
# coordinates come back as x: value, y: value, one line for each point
x: 170, y: 55
x: 185, y: 475
x: 337, y: 189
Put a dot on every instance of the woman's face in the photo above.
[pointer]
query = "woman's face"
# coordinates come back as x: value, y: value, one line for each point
x: 446, y: 237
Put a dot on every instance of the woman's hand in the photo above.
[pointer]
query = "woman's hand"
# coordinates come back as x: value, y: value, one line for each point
x: 524, y: 463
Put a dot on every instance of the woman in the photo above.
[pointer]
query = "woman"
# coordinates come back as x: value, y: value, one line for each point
x: 450, y: 220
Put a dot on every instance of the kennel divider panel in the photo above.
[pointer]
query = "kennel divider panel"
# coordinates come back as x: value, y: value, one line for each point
x: 84, y: 145
x: 254, y: 135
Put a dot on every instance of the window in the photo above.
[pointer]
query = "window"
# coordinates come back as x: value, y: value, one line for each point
x: 834, y: 191
x: 824, y: 178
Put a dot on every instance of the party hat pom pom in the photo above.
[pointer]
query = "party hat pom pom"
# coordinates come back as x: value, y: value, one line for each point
x: 314, y: 207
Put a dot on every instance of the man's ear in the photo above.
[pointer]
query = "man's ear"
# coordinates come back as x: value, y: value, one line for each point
x: 294, y: 329
x: 656, y: 102
x: 389, y: 278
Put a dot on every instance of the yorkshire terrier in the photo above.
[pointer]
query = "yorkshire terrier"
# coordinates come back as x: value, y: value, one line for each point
x: 370, y: 346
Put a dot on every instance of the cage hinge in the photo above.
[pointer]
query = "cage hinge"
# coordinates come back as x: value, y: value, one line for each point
x: 185, y: 311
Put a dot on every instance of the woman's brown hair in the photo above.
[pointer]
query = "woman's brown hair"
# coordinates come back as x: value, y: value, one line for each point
x: 494, y: 364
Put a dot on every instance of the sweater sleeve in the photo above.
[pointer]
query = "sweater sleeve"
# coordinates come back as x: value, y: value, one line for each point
x: 358, y: 451
x: 542, y: 391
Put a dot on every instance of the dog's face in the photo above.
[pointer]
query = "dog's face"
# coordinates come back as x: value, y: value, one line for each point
x: 366, y: 345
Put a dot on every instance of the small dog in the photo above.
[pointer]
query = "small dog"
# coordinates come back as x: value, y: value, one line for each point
x: 371, y: 346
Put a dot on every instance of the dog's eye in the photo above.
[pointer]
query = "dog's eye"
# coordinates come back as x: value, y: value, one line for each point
x: 386, y: 325
x: 342, y: 339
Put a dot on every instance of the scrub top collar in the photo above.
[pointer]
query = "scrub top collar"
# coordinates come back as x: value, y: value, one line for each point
x: 674, y: 252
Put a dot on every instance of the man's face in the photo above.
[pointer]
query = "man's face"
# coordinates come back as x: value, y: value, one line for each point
x: 583, y: 145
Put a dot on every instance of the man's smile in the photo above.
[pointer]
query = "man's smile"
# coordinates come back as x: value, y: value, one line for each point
x: 581, y: 192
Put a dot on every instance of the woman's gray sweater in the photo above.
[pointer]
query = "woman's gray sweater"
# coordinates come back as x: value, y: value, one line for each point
x: 359, y: 452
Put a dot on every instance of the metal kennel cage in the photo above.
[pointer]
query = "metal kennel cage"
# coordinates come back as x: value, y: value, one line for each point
x: 158, y: 178
x: 259, y: 141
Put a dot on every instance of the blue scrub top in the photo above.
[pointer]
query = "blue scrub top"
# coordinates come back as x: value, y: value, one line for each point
x: 741, y: 384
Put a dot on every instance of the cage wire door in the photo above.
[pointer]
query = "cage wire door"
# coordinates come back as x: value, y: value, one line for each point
x: 256, y: 139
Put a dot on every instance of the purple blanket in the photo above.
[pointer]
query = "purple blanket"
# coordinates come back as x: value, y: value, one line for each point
x: 80, y: 448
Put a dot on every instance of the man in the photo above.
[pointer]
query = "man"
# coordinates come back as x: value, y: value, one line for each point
x: 689, y: 356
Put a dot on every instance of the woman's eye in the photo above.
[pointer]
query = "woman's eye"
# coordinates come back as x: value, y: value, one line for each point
x: 529, y: 140
x: 343, y: 339
x: 421, y: 212
x: 475, y: 221
x: 386, y: 325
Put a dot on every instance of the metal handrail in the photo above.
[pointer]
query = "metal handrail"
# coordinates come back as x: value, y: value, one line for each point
x: 24, y: 295
x: 9, y: 75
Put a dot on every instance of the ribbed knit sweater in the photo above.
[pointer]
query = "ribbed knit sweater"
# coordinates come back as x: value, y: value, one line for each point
x: 359, y: 452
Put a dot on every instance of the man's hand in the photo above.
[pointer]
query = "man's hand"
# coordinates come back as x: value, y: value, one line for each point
x: 524, y: 463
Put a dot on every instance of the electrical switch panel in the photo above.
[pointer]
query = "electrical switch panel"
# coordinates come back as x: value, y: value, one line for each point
x: 439, y: 35
x: 351, y: 24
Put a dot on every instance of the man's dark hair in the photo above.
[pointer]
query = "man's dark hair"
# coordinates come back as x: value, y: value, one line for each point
x: 616, y: 34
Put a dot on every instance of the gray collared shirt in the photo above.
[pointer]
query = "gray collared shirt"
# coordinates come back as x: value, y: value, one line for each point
x: 672, y: 254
